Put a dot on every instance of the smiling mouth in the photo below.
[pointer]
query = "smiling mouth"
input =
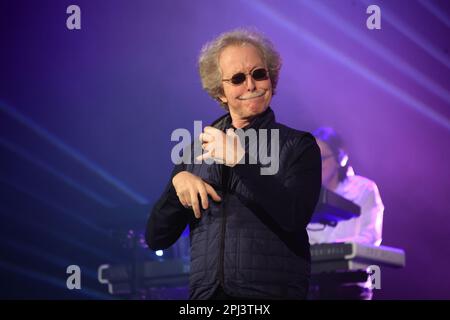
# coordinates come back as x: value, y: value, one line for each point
x: 253, y: 96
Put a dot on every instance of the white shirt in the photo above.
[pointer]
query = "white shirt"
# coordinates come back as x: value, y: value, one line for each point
x: 366, y: 228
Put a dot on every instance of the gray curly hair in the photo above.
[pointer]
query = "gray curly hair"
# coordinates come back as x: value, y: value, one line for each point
x: 208, y: 61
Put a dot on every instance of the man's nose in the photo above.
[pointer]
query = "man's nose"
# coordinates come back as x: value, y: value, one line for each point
x: 250, y: 83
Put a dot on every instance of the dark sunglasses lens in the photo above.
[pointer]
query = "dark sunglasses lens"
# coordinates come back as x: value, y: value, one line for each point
x: 238, y: 78
x: 259, y: 74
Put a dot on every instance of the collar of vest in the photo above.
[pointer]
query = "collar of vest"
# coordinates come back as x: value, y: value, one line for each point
x: 260, y: 121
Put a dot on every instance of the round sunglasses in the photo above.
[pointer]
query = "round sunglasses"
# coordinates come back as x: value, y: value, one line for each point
x: 259, y: 74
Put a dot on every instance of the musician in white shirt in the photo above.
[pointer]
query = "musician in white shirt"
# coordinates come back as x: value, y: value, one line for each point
x: 338, y: 177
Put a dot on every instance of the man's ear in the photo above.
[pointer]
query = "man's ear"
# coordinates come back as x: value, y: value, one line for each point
x: 222, y: 99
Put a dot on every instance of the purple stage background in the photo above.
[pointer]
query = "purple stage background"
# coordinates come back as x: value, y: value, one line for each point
x: 86, y: 117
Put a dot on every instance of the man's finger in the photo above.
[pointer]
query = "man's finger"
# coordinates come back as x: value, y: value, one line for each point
x: 205, y: 137
x: 204, y: 156
x: 230, y: 132
x: 182, y: 199
x: 203, y: 196
x: 195, y: 204
x: 211, y: 130
x: 210, y: 190
x: 208, y: 146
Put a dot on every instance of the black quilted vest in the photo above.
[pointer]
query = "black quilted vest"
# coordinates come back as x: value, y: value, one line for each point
x: 234, y: 246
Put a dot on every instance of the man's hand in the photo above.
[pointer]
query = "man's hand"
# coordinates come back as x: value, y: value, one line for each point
x: 188, y: 186
x: 223, y: 148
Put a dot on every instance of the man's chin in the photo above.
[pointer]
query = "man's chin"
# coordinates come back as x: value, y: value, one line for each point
x: 255, y: 108
x: 250, y: 109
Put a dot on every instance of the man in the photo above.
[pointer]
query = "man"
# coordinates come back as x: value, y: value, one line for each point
x: 365, y: 229
x: 247, y: 229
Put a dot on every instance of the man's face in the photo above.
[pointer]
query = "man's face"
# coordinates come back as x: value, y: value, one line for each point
x: 329, y: 164
x: 251, y: 97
